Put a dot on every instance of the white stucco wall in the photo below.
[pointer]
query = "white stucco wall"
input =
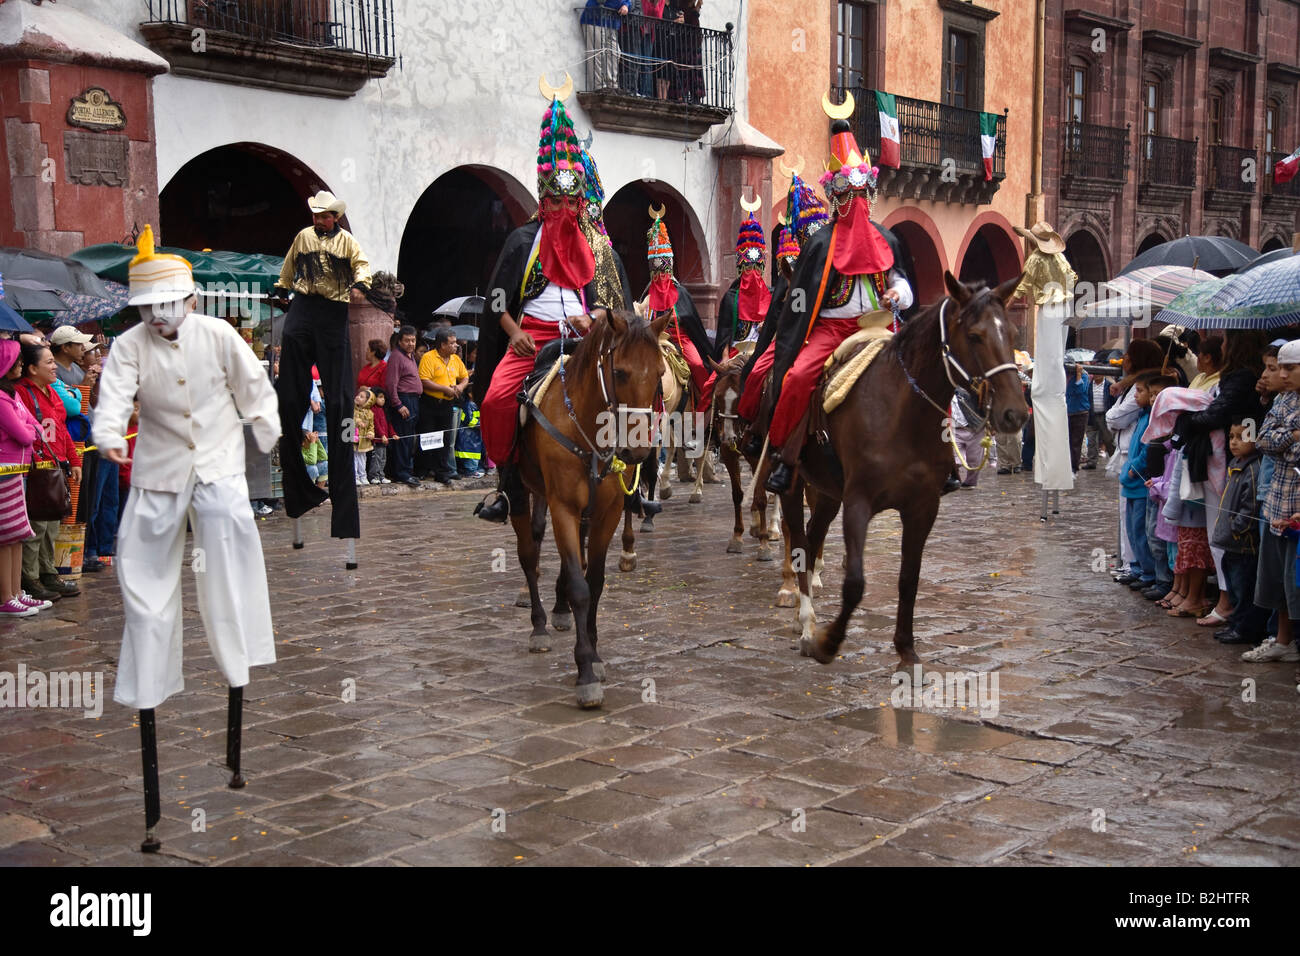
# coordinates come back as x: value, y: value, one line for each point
x: 465, y: 93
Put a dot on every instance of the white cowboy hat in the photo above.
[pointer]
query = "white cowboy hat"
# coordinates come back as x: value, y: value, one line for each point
x: 324, y: 201
x: 157, y: 277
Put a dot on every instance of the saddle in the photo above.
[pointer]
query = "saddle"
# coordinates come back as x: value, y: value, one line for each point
x: 676, y: 361
x: 850, y: 359
x: 545, y: 367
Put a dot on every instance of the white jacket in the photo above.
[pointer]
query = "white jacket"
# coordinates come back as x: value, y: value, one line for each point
x: 1121, y: 418
x: 191, y: 394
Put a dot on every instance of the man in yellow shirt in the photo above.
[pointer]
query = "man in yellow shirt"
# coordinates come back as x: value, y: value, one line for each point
x: 445, y: 379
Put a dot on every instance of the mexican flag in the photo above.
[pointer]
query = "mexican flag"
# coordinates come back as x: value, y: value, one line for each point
x: 988, y: 141
x: 1284, y: 170
x: 890, y: 148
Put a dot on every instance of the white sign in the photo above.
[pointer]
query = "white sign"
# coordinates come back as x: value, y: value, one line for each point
x: 430, y: 440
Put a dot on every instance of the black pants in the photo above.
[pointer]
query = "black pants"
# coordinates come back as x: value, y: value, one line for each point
x: 427, y: 462
x: 401, y: 449
x: 1078, y: 425
x: 442, y: 416
x: 316, y: 333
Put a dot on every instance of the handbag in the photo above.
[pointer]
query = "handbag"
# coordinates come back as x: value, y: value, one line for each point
x: 48, y: 496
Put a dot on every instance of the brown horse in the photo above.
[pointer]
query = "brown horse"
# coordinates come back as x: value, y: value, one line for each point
x: 888, y: 446
x: 611, y: 377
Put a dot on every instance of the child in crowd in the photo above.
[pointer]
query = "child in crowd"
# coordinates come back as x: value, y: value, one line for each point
x: 1237, y: 533
x: 383, y: 431
x: 1159, y: 463
x: 363, y: 433
x: 314, y: 457
x: 1133, y: 484
x: 1275, y: 582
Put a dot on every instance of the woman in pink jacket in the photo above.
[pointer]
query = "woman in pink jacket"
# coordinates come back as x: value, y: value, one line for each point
x: 18, y: 432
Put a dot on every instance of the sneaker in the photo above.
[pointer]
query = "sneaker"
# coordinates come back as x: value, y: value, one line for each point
x: 13, y: 608
x: 262, y: 510
x: 362, y: 481
x: 1271, y: 650
x: 38, y: 591
x: 24, y: 598
x: 53, y: 582
x: 385, y: 481
x: 91, y: 564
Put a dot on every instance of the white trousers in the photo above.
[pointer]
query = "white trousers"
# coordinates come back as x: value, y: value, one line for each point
x: 229, y: 575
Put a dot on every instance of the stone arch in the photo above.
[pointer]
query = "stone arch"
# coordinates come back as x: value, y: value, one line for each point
x: 991, y: 250
x: 1087, y: 256
x: 1150, y: 241
x: 241, y: 197
x: 922, y: 241
x: 454, y: 235
x: 1275, y: 242
x: 627, y: 221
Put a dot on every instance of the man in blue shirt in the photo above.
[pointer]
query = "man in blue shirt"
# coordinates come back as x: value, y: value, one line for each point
x: 1078, y: 402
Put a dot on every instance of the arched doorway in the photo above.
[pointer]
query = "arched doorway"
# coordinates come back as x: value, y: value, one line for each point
x: 454, y: 235
x: 1150, y: 242
x: 245, y: 197
x: 921, y: 245
x: 990, y: 255
x: 1273, y: 244
x: 627, y: 221
x: 1088, y: 259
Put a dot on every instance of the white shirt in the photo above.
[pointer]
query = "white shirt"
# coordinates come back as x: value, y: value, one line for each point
x: 191, y: 394
x: 554, y: 304
x: 864, y: 297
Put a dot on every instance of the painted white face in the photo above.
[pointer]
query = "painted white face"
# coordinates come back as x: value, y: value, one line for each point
x: 164, y: 318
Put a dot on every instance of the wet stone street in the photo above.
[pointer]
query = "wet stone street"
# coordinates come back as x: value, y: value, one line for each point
x: 405, y: 722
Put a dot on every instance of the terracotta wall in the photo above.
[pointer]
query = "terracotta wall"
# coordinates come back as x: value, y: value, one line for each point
x: 39, y: 206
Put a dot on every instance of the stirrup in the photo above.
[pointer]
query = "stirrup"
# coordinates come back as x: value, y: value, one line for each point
x: 779, y: 478
x: 498, y: 511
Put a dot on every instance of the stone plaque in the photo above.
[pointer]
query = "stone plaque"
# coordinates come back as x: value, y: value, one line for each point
x: 95, y: 109
x: 96, y: 159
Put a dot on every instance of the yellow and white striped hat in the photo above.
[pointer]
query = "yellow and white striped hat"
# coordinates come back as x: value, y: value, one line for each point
x: 158, y: 277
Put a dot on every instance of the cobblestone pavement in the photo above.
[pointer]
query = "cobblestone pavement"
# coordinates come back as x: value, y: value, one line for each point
x: 1121, y: 736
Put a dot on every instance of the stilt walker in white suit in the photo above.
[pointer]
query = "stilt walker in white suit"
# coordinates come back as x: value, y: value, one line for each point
x: 193, y: 376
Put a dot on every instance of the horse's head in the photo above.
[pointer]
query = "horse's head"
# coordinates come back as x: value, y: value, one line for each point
x: 979, y: 337
x: 635, y: 364
x: 726, y: 396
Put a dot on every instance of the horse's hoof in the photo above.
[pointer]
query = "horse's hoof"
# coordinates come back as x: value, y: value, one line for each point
x: 561, y: 620
x: 237, y: 782
x: 648, y: 526
x: 590, y: 695
x: 627, y: 564
x: 523, y: 599
x: 666, y: 490
x: 695, y: 498
x: 764, y: 553
x: 805, y: 647
x: 820, y: 649
x: 786, y: 598
x: 733, y: 546
x: 908, y: 657
x: 598, y: 668
x: 816, y: 580
x: 538, y: 643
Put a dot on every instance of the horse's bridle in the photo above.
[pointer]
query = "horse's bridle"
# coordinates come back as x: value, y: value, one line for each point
x: 950, y: 363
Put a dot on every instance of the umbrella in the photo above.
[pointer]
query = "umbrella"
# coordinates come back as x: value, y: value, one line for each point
x: 465, y: 333
x: 1118, y: 309
x: 1216, y: 254
x: 1159, y: 285
x: 462, y: 305
x: 29, y: 295
x: 235, y: 272
x: 11, y: 321
x: 51, y: 271
x: 88, y: 308
x: 1263, y: 298
x: 1277, y: 255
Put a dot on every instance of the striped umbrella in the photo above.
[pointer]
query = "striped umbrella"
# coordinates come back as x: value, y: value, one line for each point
x: 1263, y: 298
x: 1159, y: 285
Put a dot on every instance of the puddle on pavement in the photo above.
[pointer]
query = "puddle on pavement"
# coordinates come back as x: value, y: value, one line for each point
x: 927, y: 733
x: 1213, y: 715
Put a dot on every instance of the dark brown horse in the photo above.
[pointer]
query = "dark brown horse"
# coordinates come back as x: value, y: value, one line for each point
x: 889, y: 446
x: 565, y: 457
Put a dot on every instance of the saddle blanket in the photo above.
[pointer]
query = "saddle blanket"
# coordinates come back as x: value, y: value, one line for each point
x: 535, y: 386
x: 847, y: 363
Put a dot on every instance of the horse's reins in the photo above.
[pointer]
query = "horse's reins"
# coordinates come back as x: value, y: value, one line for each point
x: 978, y: 383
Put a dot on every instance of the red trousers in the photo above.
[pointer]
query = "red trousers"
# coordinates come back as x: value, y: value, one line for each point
x: 702, y: 378
x: 797, y: 389
x: 753, y: 394
x: 499, y: 414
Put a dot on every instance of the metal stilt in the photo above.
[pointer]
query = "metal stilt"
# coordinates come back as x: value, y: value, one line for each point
x: 297, y: 533
x: 350, y: 550
x: 149, y: 759
x: 234, y: 736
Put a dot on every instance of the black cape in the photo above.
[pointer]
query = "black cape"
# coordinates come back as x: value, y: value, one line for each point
x: 503, y: 295
x: 728, y: 319
x: 797, y: 311
x: 689, y: 320
x: 768, y: 330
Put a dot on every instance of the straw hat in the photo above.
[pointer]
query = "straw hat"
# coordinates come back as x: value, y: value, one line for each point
x: 157, y: 277
x: 324, y: 201
x: 1045, y: 239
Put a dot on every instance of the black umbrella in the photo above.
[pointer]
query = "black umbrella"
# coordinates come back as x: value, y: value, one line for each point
x: 1275, y: 256
x: 1216, y: 254
x: 30, y: 295
x: 50, y: 272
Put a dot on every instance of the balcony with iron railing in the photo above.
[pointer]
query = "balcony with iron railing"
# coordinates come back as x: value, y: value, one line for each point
x: 318, y: 47
x: 1231, y: 175
x: 1278, y: 193
x: 1094, y: 157
x: 940, y: 153
x: 655, y: 77
x: 1167, y: 167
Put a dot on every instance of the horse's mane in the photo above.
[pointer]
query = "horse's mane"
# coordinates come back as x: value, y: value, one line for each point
x: 583, y: 359
x: 927, y: 321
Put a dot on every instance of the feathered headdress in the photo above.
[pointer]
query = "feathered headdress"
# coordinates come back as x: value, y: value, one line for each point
x: 560, y: 170
x: 849, y: 169
x: 807, y: 213
x: 658, y: 245
x: 750, y: 244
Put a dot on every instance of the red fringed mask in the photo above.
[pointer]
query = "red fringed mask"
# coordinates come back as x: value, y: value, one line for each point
x: 663, y: 292
x: 860, y: 249
x: 755, y: 297
x: 565, y: 254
